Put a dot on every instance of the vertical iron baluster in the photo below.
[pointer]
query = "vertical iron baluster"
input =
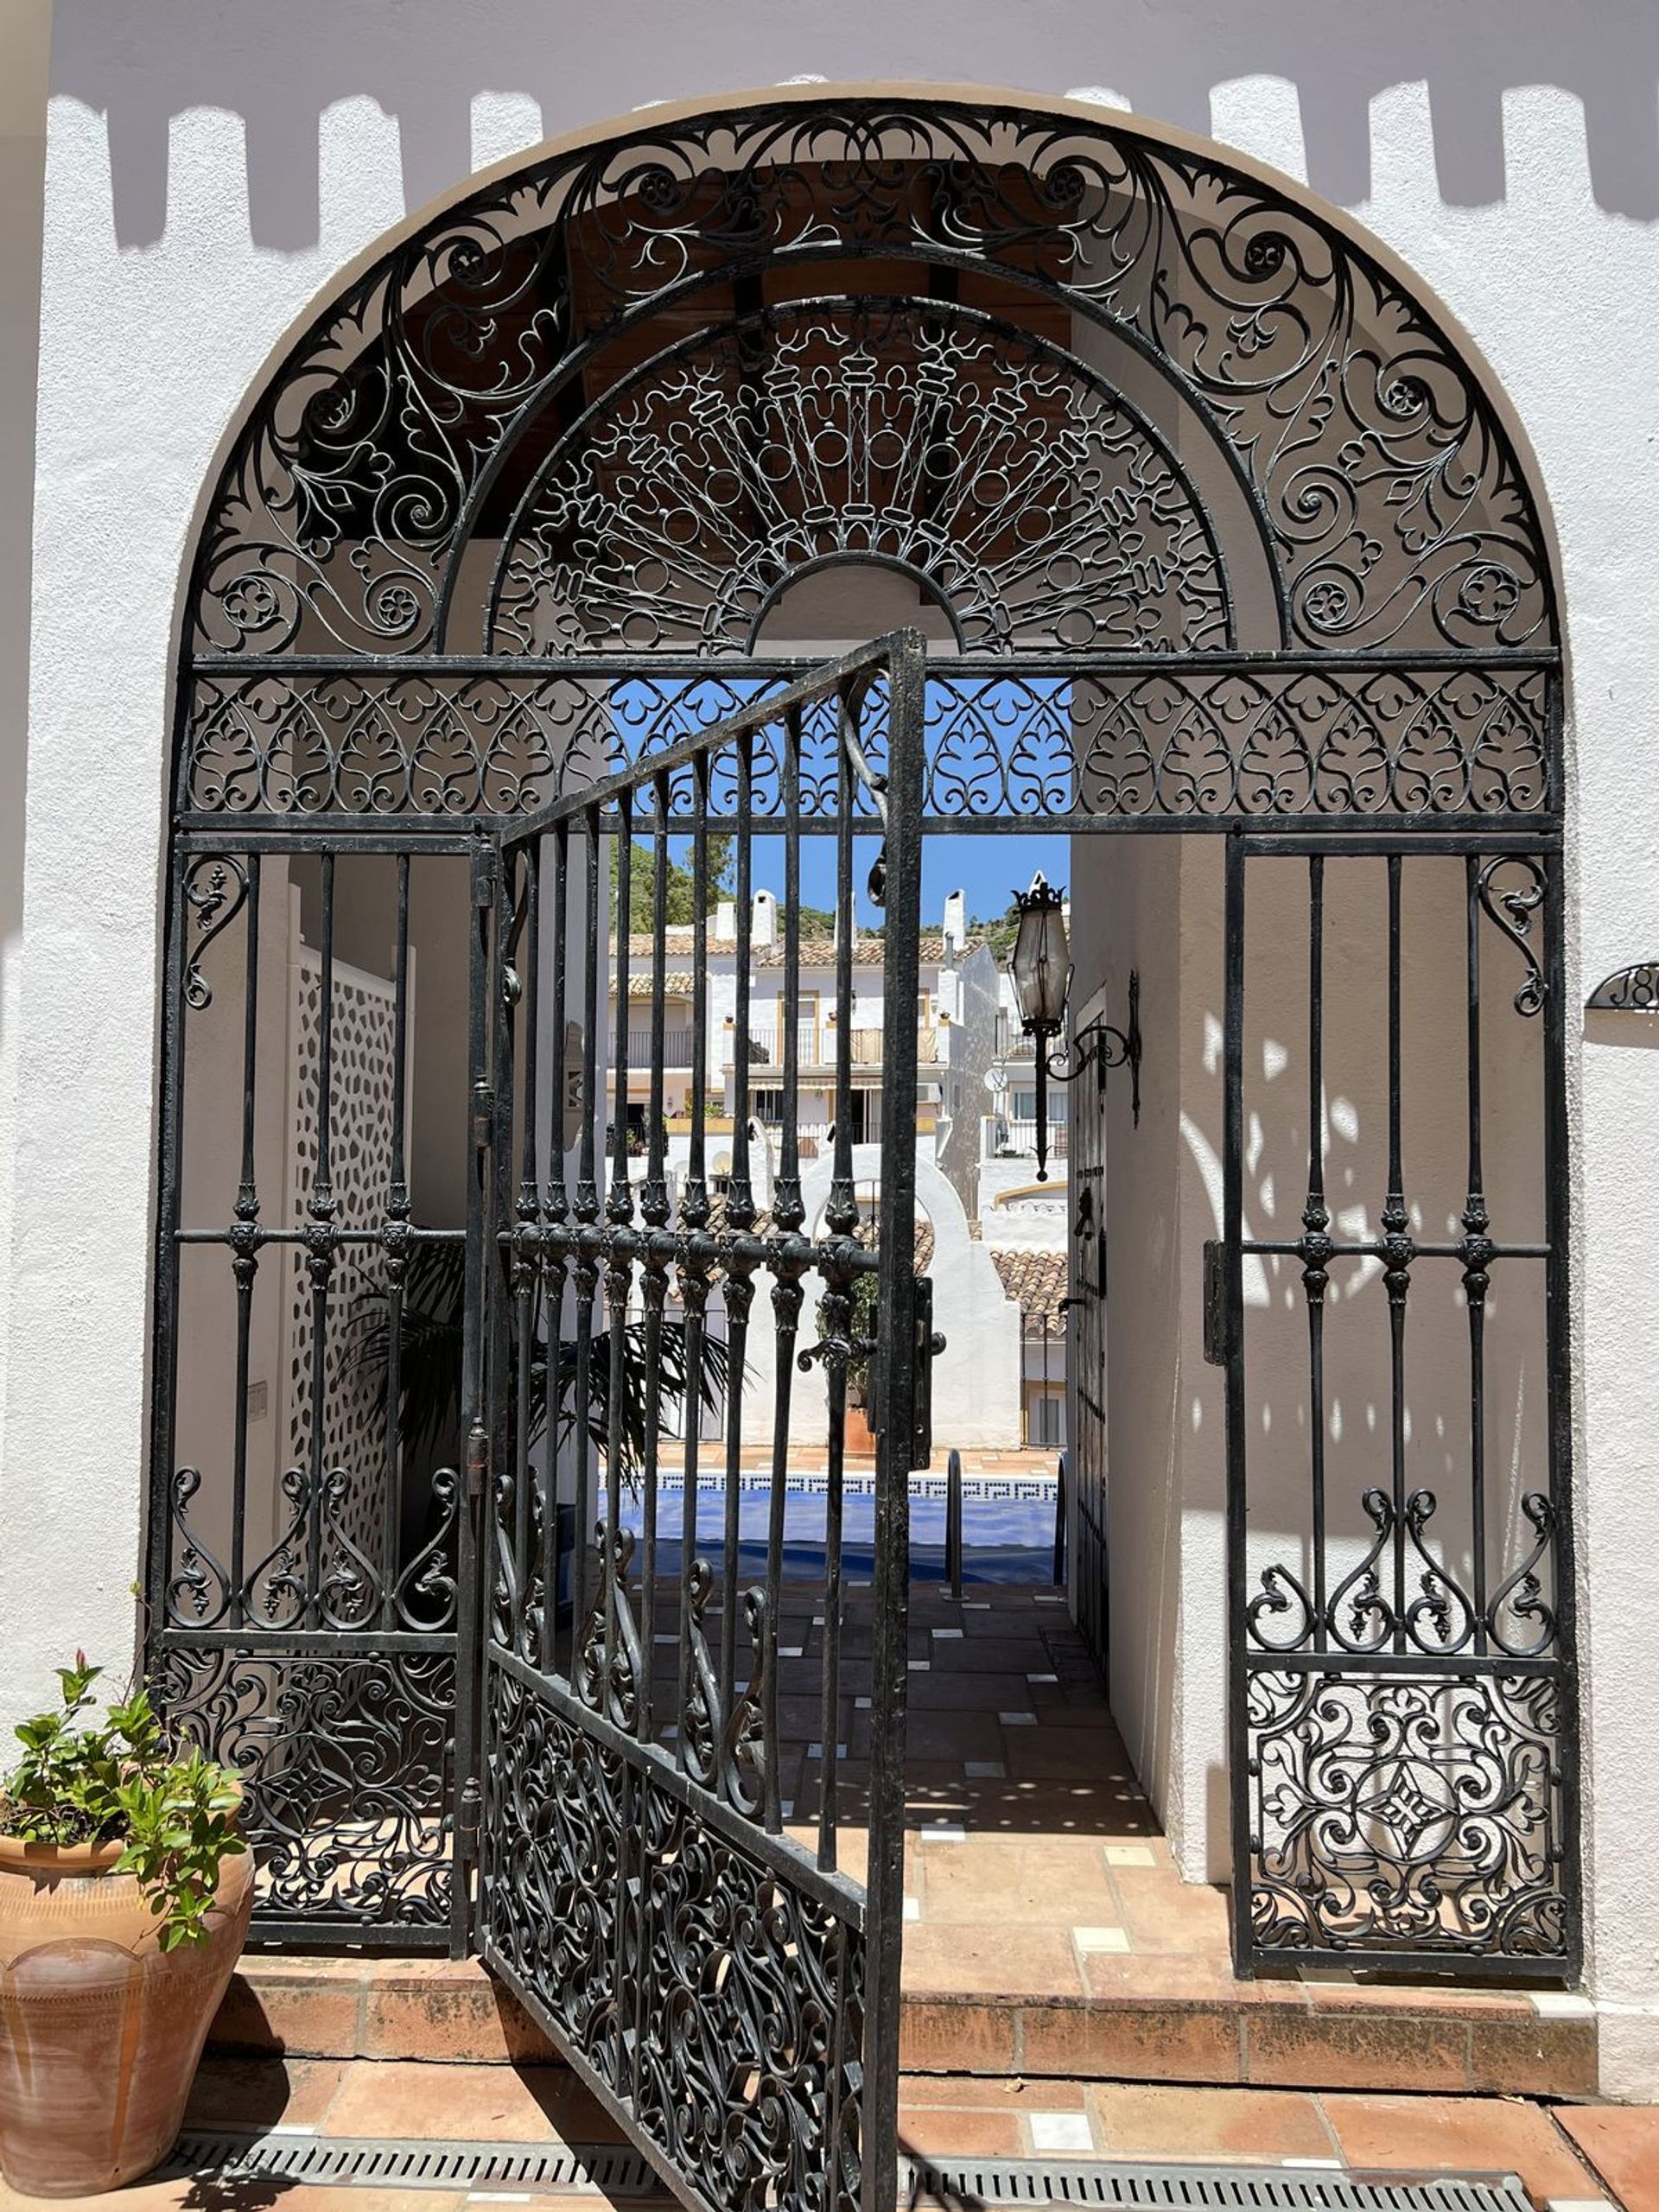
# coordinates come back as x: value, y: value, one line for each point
x: 840, y: 1303
x: 527, y: 1242
x: 471, y: 1621
x: 245, y: 1251
x: 787, y: 1212
x: 168, y: 1261
x: 1396, y: 1251
x: 321, y: 1208
x: 788, y: 1268
x: 395, y: 1238
x: 618, y: 1264
x: 1476, y: 1256
x: 556, y: 1213
x: 588, y: 1239
x: 504, y: 1559
x: 890, y: 1596
x: 653, y: 1213
x: 740, y: 1215
x: 694, y: 1300
x: 1315, y: 1239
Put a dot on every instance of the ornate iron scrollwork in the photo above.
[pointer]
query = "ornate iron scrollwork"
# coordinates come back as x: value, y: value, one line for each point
x: 1394, y: 510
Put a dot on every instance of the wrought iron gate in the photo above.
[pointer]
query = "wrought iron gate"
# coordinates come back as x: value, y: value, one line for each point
x: 723, y: 1981
x: 1232, y: 540
x: 1403, y: 1750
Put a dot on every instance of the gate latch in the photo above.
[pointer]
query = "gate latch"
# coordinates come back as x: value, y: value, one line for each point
x: 927, y: 1347
x: 1217, y: 1334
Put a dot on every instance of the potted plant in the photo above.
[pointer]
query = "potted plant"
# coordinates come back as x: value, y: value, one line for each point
x: 125, y: 1889
x: 856, y: 1432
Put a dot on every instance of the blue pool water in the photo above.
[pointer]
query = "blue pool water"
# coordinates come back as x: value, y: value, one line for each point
x: 1003, y: 1539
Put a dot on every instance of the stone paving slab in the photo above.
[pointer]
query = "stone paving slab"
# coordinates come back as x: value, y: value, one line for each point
x: 1621, y: 2143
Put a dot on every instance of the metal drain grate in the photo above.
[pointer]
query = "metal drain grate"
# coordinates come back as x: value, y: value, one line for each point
x: 359, y: 2162
x: 1140, y: 2188
x: 593, y: 2168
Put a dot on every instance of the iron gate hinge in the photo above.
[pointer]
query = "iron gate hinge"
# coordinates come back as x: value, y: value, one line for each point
x: 483, y: 1115
x: 1217, y: 1336
x: 487, y: 877
x: 478, y: 1462
x: 468, y: 1818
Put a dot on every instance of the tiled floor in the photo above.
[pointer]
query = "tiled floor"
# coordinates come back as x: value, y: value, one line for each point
x: 1552, y: 2151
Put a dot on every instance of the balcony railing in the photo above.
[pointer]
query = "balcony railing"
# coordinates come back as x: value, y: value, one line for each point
x: 677, y: 1047
x: 1021, y: 1138
x: 816, y: 1047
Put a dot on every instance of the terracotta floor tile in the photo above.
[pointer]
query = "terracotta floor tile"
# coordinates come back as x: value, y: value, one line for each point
x: 262, y: 2091
x: 1473, y: 2135
x: 1035, y: 1882
x: 982, y: 1960
x: 1163, y: 1913
x: 142, y: 2196
x: 307, y: 2196
x: 1622, y: 2143
x: 998, y: 2094
x: 947, y: 2037
x: 1148, y: 2121
x: 469, y: 2103
x: 1163, y: 1975
x: 946, y: 2133
x: 1288, y: 2049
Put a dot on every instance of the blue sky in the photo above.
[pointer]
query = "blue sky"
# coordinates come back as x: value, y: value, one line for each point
x: 988, y: 868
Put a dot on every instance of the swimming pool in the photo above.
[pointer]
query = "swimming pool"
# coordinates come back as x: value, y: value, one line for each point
x: 1005, y: 1538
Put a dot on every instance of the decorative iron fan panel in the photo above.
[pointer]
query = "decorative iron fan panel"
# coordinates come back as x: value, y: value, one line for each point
x: 1021, y: 493
x: 1197, y: 741
x: 1389, y: 498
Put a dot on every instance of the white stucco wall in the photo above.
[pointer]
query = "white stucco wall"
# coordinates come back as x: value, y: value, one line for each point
x: 210, y: 169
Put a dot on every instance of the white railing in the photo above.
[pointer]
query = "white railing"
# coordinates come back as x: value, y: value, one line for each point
x: 677, y: 1047
x: 1021, y: 1138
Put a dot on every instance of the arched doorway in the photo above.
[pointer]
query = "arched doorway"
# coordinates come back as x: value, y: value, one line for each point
x: 1222, y: 533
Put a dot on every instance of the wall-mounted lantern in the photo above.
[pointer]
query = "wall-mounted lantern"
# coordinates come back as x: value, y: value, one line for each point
x: 1040, y: 968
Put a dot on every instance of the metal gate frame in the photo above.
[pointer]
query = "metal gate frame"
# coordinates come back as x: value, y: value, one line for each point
x: 729, y: 1995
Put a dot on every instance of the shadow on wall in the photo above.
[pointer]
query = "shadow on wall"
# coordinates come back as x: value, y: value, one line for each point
x: 423, y: 63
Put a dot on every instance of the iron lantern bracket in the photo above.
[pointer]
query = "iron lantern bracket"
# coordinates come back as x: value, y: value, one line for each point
x: 1103, y: 1045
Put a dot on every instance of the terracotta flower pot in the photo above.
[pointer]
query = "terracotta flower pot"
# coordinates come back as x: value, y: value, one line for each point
x: 857, y: 1436
x: 101, y: 2030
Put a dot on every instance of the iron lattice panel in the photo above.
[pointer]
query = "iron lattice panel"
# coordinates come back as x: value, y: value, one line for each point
x: 717, y: 2003
x: 1054, y: 743
x: 1407, y: 1814
x: 346, y: 1760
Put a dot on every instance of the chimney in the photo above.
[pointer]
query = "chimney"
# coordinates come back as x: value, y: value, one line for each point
x: 725, y: 923
x: 956, y: 923
x: 764, y: 928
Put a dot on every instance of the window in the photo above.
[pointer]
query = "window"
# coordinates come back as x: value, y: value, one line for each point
x: 1048, y: 1417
